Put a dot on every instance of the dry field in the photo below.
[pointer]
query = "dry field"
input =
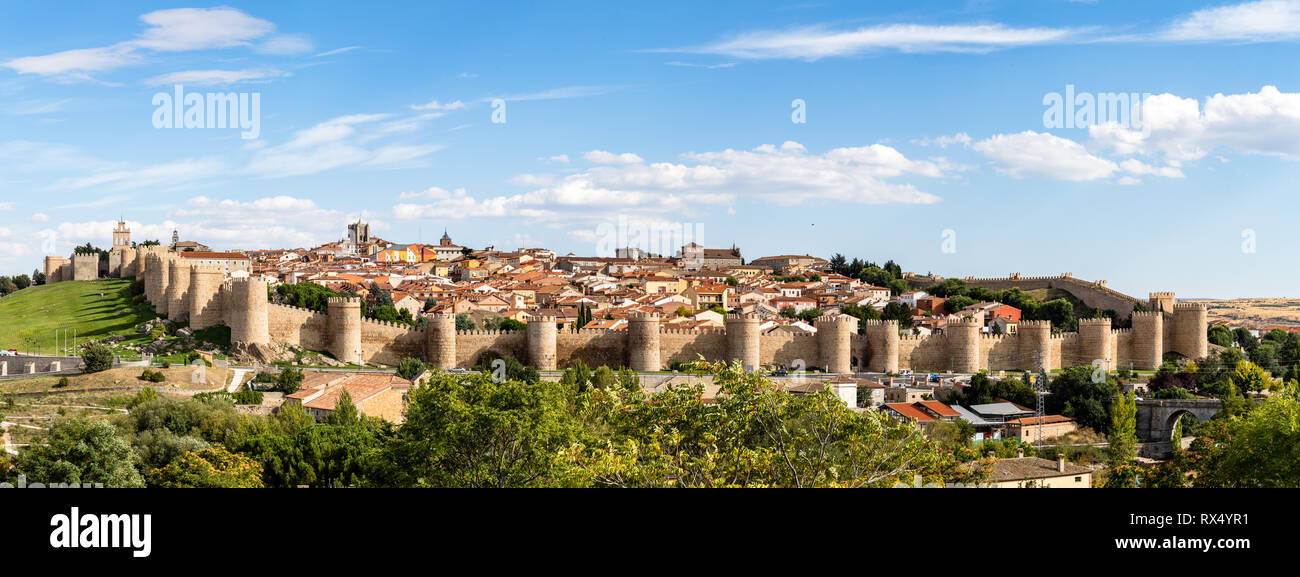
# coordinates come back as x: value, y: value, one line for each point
x: 1255, y: 313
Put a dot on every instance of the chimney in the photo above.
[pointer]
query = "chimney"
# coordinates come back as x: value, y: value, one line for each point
x: 1020, y: 452
x: 1060, y: 463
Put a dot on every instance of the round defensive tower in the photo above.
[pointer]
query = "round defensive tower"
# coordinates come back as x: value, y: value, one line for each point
x: 345, y: 329
x: 203, y: 306
x: 440, y: 341
x: 141, y: 262
x: 248, y: 312
x: 963, y: 343
x: 178, y: 287
x: 541, y: 343
x: 743, y: 339
x: 643, y: 342
x: 1035, y: 338
x: 1148, y: 340
x: 1095, y: 342
x: 883, y: 342
x: 1191, y: 337
x: 164, y: 272
x: 835, y: 341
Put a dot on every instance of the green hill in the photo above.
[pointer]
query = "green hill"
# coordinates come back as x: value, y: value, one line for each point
x: 95, y: 309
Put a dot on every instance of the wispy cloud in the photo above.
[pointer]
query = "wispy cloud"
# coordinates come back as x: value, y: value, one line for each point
x: 563, y: 93
x: 817, y: 42
x: 336, y: 51
x: 218, y: 77
x: 174, y: 30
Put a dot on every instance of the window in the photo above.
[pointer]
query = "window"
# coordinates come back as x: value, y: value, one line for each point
x: 1078, y: 479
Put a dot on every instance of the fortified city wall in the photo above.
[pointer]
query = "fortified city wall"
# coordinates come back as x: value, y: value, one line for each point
x: 243, y: 305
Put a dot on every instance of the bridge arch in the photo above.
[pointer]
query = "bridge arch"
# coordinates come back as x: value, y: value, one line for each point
x: 1156, y: 417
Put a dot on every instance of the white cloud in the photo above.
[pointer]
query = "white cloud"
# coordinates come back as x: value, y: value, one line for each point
x: 817, y: 42
x: 1135, y: 166
x: 945, y: 141
x: 563, y: 93
x: 1179, y: 129
x: 164, y: 175
x: 1031, y: 154
x: 184, y: 29
x: 173, y: 30
x: 335, y: 143
x: 39, y: 217
x: 603, y: 157
x: 435, y: 105
x: 784, y: 175
x: 218, y: 77
x: 6, y: 206
x: 1261, y: 21
x: 286, y: 45
x: 336, y: 51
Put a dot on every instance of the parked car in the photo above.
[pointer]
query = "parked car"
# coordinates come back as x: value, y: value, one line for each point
x: 458, y: 370
x: 780, y: 373
x: 9, y: 353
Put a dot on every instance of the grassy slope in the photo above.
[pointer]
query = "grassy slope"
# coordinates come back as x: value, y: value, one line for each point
x: 38, y: 311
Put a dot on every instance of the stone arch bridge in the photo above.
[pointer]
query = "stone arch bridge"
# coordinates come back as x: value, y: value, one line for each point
x: 1156, y: 417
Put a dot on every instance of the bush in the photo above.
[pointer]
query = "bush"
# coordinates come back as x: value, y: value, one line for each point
x: 410, y: 368
x: 63, y: 382
x: 96, y: 358
x: 152, y: 376
x: 289, y: 380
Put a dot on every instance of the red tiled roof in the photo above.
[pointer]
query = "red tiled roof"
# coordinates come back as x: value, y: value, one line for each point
x: 913, y: 413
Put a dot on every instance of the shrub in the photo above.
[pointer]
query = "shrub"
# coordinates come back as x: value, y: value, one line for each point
x: 96, y: 358
x: 410, y: 368
x: 152, y: 376
x: 63, y: 382
x: 289, y: 380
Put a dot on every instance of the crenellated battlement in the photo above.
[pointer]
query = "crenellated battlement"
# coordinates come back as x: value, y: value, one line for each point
x: 1035, y: 325
x: 643, y: 316
x: 1103, y: 322
x: 345, y: 301
x: 880, y: 323
x: 1189, y: 306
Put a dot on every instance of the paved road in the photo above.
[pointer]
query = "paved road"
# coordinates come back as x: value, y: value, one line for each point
x: 237, y: 379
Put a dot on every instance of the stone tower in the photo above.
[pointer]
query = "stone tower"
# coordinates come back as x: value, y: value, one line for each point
x: 743, y: 340
x: 440, y: 341
x: 1148, y: 340
x: 963, y: 335
x: 1034, y: 347
x: 643, y: 342
x: 178, y: 288
x: 248, y: 314
x: 345, y: 329
x: 1161, y: 302
x: 882, y: 345
x: 541, y: 343
x: 835, y: 342
x: 85, y: 267
x: 204, y: 302
x: 1190, y: 330
x: 1095, y: 342
x: 121, y: 236
x: 163, y: 274
x: 54, y: 269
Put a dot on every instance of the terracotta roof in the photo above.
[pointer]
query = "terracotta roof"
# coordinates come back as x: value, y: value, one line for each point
x: 907, y: 410
x: 1025, y: 468
x: 232, y: 255
x: 939, y: 408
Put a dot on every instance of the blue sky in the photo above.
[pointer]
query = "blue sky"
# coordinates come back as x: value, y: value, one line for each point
x: 921, y: 119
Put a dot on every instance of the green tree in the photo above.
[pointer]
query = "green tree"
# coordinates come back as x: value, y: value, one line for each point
x: 214, y: 468
x: 465, y: 323
x: 96, y: 358
x: 1075, y: 393
x: 757, y: 435
x: 345, y: 412
x: 289, y: 380
x: 1122, y: 440
x: 471, y: 432
x: 81, y: 451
